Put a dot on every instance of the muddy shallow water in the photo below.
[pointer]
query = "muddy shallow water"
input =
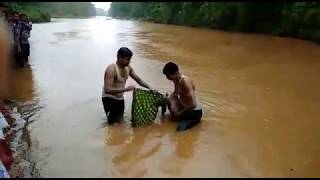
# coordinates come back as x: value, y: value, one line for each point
x: 260, y: 95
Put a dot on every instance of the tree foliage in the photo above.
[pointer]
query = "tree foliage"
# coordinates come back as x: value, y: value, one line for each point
x: 297, y: 19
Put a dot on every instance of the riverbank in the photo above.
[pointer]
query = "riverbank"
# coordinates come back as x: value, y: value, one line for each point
x: 40, y: 12
x: 298, y: 20
x: 18, y: 162
x: 71, y: 16
x: 308, y: 34
x: 34, y: 13
x: 38, y: 16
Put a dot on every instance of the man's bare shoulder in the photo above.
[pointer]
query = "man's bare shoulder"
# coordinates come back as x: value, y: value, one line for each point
x: 130, y: 68
x: 186, y: 81
x: 110, y: 68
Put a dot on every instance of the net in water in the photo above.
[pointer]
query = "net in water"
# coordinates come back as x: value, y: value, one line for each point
x: 145, y: 105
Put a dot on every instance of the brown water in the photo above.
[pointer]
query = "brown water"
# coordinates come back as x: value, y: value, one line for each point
x: 260, y: 95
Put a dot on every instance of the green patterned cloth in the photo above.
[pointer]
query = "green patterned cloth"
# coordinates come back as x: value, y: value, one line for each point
x: 145, y: 106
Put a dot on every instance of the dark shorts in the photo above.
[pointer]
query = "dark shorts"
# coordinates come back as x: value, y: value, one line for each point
x: 25, y: 50
x: 17, y: 55
x: 21, y: 57
x: 113, y: 108
x: 189, y: 120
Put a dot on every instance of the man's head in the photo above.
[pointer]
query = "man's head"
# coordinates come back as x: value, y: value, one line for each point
x: 15, y: 17
x: 171, y: 71
x: 124, y: 56
x: 24, y: 17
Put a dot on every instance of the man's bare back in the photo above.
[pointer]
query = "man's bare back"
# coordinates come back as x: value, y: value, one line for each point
x: 185, y: 90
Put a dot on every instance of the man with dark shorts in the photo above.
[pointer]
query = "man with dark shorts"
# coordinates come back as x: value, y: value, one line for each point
x: 16, y: 30
x: 115, y: 79
x: 24, y: 38
x: 183, y: 104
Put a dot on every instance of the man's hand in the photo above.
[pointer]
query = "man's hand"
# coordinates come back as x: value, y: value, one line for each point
x: 19, y: 49
x: 153, y: 90
x: 176, y: 115
x: 130, y: 88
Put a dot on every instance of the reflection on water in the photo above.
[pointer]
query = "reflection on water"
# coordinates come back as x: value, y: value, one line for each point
x: 133, y: 154
x: 21, y: 84
x: 136, y: 148
x: 186, y: 143
x: 253, y: 87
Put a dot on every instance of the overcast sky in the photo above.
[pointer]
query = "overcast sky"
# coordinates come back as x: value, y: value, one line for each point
x: 103, y: 5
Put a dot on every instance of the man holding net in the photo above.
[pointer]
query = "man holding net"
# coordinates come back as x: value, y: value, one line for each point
x: 115, y: 79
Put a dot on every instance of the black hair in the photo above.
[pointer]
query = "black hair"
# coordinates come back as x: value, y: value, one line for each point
x: 124, y: 52
x: 170, y: 68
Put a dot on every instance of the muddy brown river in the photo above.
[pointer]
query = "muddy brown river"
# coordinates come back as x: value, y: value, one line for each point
x: 261, y: 98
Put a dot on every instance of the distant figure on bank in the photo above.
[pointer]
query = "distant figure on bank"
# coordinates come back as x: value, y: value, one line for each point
x: 24, y: 38
x: 16, y: 31
x: 115, y: 79
x: 183, y: 104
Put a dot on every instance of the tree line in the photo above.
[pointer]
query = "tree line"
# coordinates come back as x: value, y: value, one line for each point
x: 43, y: 11
x: 295, y: 19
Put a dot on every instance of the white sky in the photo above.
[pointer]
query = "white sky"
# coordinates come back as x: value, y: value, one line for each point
x: 103, y: 5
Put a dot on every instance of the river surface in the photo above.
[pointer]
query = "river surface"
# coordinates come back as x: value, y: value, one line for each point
x: 261, y: 98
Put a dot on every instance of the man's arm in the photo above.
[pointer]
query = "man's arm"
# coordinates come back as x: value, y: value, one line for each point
x: 28, y: 27
x: 190, y: 99
x: 175, y: 92
x: 134, y: 76
x: 109, y: 80
x: 17, y: 30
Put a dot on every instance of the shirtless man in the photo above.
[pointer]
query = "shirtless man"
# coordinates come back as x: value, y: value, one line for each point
x: 183, y: 104
x: 115, y: 79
